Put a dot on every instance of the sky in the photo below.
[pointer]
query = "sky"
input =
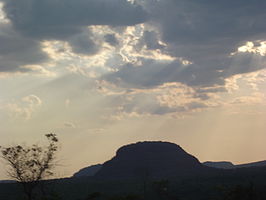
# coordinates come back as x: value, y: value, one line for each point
x: 105, y: 73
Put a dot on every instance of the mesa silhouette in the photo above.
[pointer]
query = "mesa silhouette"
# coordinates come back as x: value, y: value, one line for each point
x: 156, y: 159
x: 150, y: 159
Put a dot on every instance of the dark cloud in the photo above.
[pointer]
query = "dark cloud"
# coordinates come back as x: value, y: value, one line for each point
x: 83, y: 43
x: 111, y: 39
x: 203, y: 92
x: 206, y: 33
x: 210, y: 22
x: 152, y: 73
x: 16, y: 51
x: 244, y: 62
x: 36, y: 20
x: 49, y: 19
x: 149, y: 74
x: 150, y: 40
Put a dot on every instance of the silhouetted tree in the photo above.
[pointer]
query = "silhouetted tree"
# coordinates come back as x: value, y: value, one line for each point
x: 28, y: 165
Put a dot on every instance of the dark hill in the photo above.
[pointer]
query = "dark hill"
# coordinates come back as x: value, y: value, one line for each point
x: 229, y: 165
x: 220, y: 164
x: 253, y: 164
x: 150, y: 159
x: 88, y: 171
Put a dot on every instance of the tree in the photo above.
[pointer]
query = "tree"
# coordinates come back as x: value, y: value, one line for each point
x: 28, y: 165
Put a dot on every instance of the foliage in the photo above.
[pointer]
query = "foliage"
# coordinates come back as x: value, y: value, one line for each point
x: 29, y: 165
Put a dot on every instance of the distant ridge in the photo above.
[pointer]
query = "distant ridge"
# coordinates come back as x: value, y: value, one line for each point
x: 253, y: 164
x: 229, y: 165
x: 7, y: 181
x: 153, y: 159
x: 220, y: 164
x: 88, y: 171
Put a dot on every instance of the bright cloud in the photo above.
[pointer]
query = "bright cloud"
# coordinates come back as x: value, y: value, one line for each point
x: 24, y: 108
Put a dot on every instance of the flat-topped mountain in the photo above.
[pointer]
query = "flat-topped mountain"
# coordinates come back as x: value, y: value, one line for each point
x: 158, y: 160
x: 153, y: 159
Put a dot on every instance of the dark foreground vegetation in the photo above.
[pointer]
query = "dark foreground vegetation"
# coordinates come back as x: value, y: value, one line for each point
x: 241, y: 184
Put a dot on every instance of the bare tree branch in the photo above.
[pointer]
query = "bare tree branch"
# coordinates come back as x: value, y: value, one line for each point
x: 29, y: 165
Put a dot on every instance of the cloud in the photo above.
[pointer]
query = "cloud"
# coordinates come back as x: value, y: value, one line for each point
x: 207, y: 33
x: 60, y: 19
x: 196, y: 62
x: 176, y: 99
x: 151, y: 40
x: 83, y: 43
x: 151, y: 73
x: 24, y: 108
x: 67, y: 103
x: 2, y: 14
x: 208, y: 25
x: 253, y: 99
x: 96, y: 130
x: 26, y: 24
x: 16, y: 51
x: 137, y: 48
x: 32, y: 100
x: 69, y: 125
x: 111, y: 39
x: 257, y: 47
